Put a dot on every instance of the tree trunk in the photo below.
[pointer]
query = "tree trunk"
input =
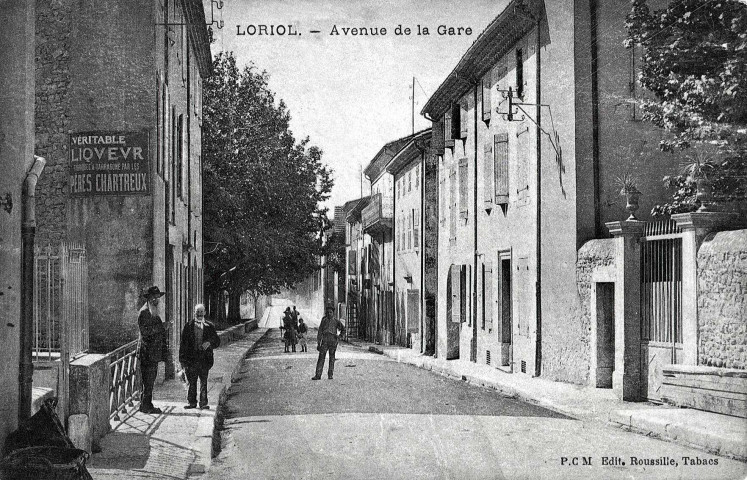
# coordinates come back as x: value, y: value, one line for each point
x: 234, y: 307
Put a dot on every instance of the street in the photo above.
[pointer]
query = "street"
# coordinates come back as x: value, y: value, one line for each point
x: 382, y: 419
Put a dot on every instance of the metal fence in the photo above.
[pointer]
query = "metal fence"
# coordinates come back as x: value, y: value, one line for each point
x: 61, y: 301
x: 124, y: 389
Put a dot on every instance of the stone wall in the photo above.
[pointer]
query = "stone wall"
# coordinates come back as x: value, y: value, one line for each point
x: 52, y: 119
x: 722, y: 300
x: 566, y: 351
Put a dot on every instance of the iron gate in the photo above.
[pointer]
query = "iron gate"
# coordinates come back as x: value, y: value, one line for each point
x: 661, y: 303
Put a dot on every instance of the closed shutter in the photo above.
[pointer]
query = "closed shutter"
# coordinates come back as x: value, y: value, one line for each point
x: 486, y: 100
x: 448, y: 130
x: 352, y: 263
x: 463, y: 188
x: 415, y: 229
x: 500, y: 167
x: 522, y: 162
x: 487, y: 175
x: 487, y: 282
x: 456, y: 293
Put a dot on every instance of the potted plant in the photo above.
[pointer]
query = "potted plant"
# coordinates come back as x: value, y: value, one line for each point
x: 628, y: 188
x: 699, y: 171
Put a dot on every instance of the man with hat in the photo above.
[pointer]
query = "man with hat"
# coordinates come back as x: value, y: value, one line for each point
x: 326, y: 341
x: 153, y: 347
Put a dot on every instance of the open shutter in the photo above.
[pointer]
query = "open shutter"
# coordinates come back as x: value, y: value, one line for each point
x: 486, y: 100
x: 413, y: 311
x: 500, y: 166
x: 487, y: 175
x: 455, y: 273
x: 463, y: 119
x: 452, y: 203
x: 416, y: 229
x: 437, y: 138
x: 463, y: 188
x: 448, y: 130
x: 487, y: 281
x: 463, y: 293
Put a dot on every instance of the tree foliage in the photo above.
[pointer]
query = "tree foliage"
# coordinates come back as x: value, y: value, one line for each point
x: 694, y: 61
x: 262, y: 187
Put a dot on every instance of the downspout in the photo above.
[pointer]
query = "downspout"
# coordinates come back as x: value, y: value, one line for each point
x: 28, y: 232
x: 538, y: 288
x: 473, y: 349
x: 422, y: 251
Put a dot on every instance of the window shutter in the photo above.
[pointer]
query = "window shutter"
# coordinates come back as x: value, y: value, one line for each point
x: 463, y: 188
x: 487, y: 175
x: 500, y: 166
x: 456, y: 292
x: 352, y: 263
x: 463, y: 293
x: 415, y: 229
x: 452, y: 204
x: 522, y: 162
x: 487, y: 281
x: 463, y: 119
x: 486, y: 100
x: 413, y: 311
x: 437, y: 137
x: 448, y: 130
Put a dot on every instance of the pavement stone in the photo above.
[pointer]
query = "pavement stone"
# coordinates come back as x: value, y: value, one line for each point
x: 178, y: 443
x: 716, y: 433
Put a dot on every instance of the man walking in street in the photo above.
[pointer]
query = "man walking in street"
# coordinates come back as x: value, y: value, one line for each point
x: 153, y: 347
x: 327, y: 341
x: 199, y: 338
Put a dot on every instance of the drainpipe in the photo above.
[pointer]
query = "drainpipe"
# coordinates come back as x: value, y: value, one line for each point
x: 474, y: 275
x: 28, y: 231
x: 421, y: 247
x: 538, y: 289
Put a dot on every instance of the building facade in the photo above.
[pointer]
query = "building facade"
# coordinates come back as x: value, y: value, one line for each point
x: 118, y: 114
x: 538, y: 123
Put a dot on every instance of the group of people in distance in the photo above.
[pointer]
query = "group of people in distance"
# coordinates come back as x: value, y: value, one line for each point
x: 293, y: 330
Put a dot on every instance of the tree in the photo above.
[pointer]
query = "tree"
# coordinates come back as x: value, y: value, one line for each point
x: 694, y: 61
x: 262, y: 189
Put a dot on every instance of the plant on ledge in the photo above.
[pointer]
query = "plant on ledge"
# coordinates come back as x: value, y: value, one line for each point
x: 629, y: 189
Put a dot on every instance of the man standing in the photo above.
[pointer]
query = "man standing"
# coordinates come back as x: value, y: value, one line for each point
x: 326, y: 340
x: 199, y: 338
x: 153, y: 347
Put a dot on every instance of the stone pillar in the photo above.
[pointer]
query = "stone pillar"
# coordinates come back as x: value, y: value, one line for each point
x: 627, y: 375
x: 90, y: 378
x: 695, y: 226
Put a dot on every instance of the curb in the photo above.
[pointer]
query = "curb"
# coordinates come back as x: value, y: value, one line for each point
x: 220, y: 409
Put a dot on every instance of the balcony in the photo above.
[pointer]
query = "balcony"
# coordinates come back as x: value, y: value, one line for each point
x: 377, y: 216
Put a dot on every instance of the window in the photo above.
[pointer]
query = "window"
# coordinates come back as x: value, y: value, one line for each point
x: 520, y: 73
x: 487, y: 174
x: 487, y: 295
x: 463, y: 188
x: 409, y: 181
x: 409, y: 232
x: 417, y: 176
x: 456, y: 121
x: 500, y: 167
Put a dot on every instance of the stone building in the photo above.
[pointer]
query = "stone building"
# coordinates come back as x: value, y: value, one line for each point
x: 539, y: 122
x: 118, y: 115
x: 408, y: 169
x: 355, y: 300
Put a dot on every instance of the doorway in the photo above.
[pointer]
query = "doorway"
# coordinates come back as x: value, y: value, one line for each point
x: 506, y: 308
x: 605, y: 334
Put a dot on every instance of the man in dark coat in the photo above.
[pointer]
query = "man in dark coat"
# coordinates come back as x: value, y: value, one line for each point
x: 290, y: 330
x: 326, y: 340
x: 153, y: 348
x: 199, y: 338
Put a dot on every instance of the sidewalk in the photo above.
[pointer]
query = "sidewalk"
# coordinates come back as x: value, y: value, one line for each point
x: 177, y: 443
x: 719, y: 434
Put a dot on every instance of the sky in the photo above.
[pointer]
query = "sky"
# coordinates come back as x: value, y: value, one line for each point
x: 351, y: 94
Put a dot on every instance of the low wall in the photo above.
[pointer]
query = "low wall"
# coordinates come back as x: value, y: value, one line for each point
x: 719, y: 390
x: 236, y: 332
x: 722, y: 300
x: 567, y: 352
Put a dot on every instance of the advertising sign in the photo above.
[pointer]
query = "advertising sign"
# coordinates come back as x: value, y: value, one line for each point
x: 109, y: 163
